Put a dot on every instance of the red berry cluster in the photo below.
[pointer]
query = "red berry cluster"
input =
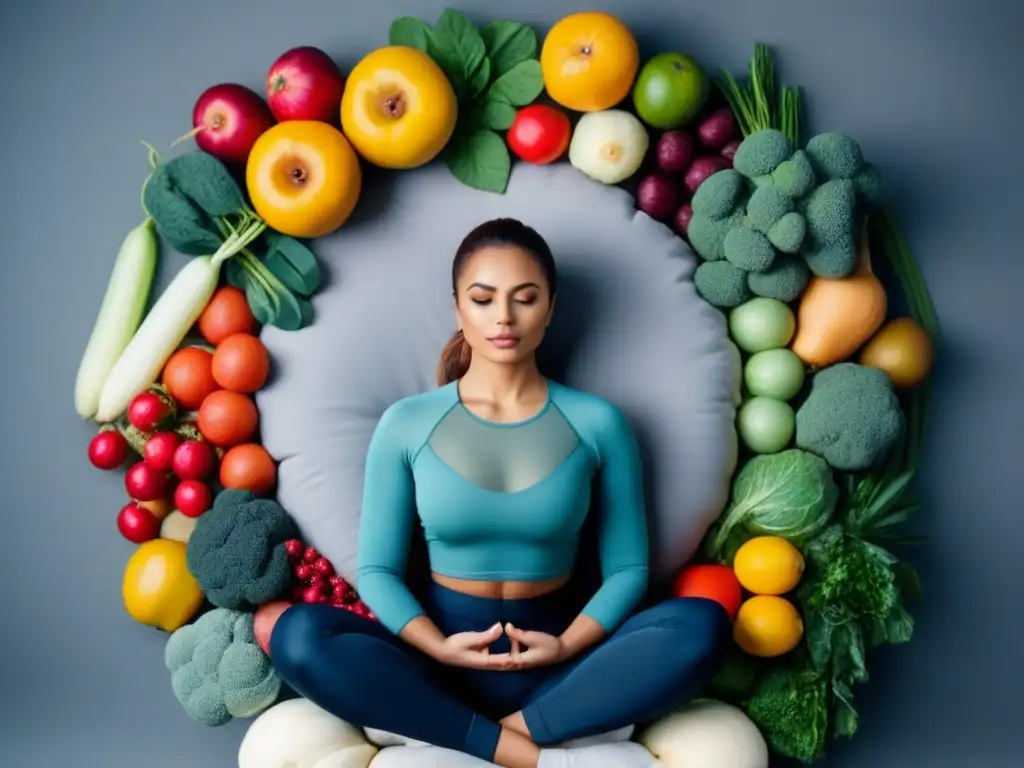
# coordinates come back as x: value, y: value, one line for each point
x: 316, y: 582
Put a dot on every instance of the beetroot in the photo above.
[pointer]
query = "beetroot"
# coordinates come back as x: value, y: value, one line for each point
x: 682, y: 219
x: 717, y: 129
x: 701, y: 168
x: 674, y: 151
x: 657, y: 195
x: 729, y: 150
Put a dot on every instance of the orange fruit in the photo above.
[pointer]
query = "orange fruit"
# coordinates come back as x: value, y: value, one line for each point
x: 715, y: 582
x: 398, y: 109
x: 768, y: 626
x: 248, y: 467
x: 227, y: 418
x: 304, y: 178
x: 227, y: 312
x: 188, y: 376
x: 589, y: 61
x: 241, y: 363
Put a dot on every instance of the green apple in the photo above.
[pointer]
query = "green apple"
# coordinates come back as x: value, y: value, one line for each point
x: 670, y: 91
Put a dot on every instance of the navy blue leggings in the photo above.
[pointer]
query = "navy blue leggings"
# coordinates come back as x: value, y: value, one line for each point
x: 357, y: 670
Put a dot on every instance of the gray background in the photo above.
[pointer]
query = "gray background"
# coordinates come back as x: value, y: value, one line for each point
x: 929, y: 88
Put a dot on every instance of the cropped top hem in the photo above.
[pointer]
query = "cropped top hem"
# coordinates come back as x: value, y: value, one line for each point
x: 502, y: 501
x: 508, y: 575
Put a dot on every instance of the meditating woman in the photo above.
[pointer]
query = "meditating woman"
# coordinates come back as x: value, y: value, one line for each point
x: 498, y: 465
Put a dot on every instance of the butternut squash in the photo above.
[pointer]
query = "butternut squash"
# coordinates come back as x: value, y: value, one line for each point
x: 836, y: 316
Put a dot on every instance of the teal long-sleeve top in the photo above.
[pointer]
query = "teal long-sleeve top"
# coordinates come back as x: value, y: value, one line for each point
x: 501, y: 501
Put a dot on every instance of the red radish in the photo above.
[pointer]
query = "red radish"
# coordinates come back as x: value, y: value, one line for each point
x: 147, y: 411
x: 717, y: 129
x: 657, y: 195
x: 682, y: 219
x: 194, y: 460
x: 159, y: 450
x: 137, y: 524
x: 144, y: 483
x: 108, y: 449
x: 305, y: 83
x: 729, y: 150
x: 192, y: 497
x: 701, y: 168
x: 226, y: 121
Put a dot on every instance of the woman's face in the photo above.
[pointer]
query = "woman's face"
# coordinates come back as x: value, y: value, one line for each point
x: 502, y: 303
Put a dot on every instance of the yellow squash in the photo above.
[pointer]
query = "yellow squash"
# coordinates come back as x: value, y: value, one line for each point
x: 158, y: 589
x: 835, y: 316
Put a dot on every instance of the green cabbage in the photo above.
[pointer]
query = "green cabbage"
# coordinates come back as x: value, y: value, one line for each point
x: 791, y: 494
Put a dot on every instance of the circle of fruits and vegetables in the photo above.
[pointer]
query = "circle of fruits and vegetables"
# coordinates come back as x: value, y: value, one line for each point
x: 791, y: 235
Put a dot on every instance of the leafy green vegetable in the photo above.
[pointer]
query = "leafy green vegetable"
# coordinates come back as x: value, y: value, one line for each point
x: 791, y: 494
x: 493, y: 70
x: 410, y: 32
x: 458, y: 48
x: 206, y: 181
x: 184, y: 226
x: 790, y: 706
x: 508, y: 43
x: 196, y: 205
x: 481, y: 161
x: 520, y: 86
x: 760, y: 102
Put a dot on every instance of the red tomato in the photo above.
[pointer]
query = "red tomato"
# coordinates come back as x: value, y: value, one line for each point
x: 539, y: 134
x: 716, y: 582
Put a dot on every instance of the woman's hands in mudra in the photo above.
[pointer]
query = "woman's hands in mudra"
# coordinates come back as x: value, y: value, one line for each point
x: 472, y: 649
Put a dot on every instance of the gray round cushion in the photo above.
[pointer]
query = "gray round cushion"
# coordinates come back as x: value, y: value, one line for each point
x: 629, y: 326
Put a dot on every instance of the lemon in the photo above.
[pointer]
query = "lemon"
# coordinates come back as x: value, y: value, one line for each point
x: 768, y: 565
x: 767, y: 626
x: 158, y: 590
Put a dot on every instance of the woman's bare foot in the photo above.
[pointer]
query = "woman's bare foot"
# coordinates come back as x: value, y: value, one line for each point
x: 515, y: 750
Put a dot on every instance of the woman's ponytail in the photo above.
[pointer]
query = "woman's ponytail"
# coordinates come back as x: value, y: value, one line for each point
x: 455, y: 359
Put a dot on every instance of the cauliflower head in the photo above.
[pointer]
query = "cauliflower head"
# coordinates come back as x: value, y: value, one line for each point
x: 218, y: 672
x: 237, y: 550
x: 851, y: 417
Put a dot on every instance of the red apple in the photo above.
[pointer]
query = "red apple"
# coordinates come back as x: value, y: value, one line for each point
x: 305, y: 84
x: 227, y: 119
x: 137, y: 524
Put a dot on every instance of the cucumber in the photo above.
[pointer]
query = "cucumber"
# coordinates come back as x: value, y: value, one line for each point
x: 120, y: 315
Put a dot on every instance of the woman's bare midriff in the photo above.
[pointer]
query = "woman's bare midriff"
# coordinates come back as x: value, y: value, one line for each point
x: 500, y: 590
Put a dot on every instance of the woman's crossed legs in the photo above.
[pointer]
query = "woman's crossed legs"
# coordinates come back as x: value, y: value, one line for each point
x: 357, y: 670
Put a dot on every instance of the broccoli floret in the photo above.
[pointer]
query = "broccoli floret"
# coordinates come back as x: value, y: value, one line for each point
x: 868, y: 185
x: 721, y: 284
x: 718, y: 195
x: 237, y: 550
x: 766, y: 206
x: 761, y: 153
x: 785, y: 280
x: 834, y: 155
x: 851, y: 417
x: 790, y: 707
x: 788, y: 233
x: 748, y: 249
x: 707, y: 235
x: 218, y: 672
x: 829, y: 210
x: 795, y: 176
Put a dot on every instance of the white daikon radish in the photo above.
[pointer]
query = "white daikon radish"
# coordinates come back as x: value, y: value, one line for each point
x: 166, y: 326
x: 121, y: 311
